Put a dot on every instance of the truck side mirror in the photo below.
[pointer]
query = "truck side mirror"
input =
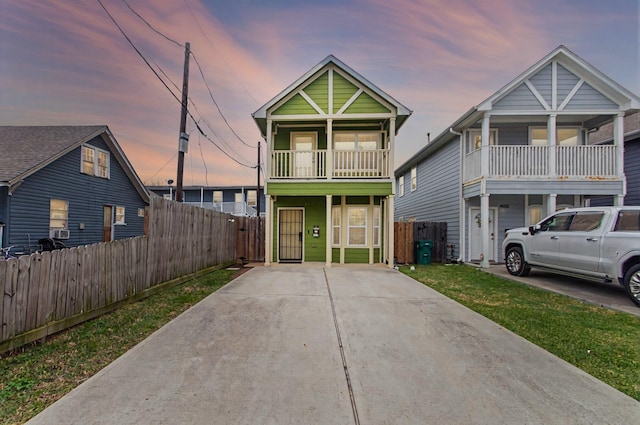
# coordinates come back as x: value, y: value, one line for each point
x: 534, y: 229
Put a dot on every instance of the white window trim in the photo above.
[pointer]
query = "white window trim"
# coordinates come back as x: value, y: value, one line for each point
x: 253, y: 203
x: 471, y: 147
x: 366, y: 226
x: 96, y: 151
x: 295, y: 134
x: 221, y: 196
x: 123, y: 222
x: 66, y: 219
x: 401, y: 186
x: 414, y: 178
x: 337, y: 208
x: 356, y: 134
x: 580, y: 130
x: 377, y: 229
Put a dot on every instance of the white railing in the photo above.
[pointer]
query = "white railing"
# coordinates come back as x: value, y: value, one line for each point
x: 234, y: 208
x: 534, y: 161
x: 288, y: 164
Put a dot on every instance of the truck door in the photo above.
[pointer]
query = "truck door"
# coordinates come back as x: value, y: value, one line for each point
x: 544, y: 245
x: 580, y: 246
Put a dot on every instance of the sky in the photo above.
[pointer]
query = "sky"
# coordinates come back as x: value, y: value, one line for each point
x: 65, y: 62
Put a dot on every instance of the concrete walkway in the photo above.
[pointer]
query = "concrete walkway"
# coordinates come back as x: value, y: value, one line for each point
x: 343, y: 345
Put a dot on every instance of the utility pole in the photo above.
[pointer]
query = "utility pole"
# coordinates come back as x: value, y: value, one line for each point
x: 259, y: 239
x: 183, y: 141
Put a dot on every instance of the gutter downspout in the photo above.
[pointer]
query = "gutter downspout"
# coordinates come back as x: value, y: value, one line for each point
x: 461, y: 212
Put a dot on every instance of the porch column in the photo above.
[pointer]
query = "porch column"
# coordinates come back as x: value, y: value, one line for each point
x: 268, y: 148
x: 484, y: 223
x: 551, y: 141
x: 328, y: 232
x: 390, y: 231
x: 268, y: 230
x: 618, y: 141
x: 484, y: 148
x: 344, y: 224
x: 329, y: 159
x: 370, y: 228
x: 551, y: 203
x: 392, y: 143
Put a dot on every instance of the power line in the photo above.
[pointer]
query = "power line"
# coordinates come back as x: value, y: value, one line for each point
x: 161, y: 168
x: 216, y: 145
x: 150, y: 26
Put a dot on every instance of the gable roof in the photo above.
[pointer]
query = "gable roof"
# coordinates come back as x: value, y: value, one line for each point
x: 261, y: 114
x: 27, y: 149
x: 626, y: 100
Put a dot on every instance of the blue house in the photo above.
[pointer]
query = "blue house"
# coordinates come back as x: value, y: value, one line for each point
x: 520, y: 155
x: 72, y: 183
x: 236, y: 200
x: 631, y: 158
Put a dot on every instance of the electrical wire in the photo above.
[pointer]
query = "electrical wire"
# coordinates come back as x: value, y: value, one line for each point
x: 150, y: 26
x: 216, y: 145
x: 162, y: 168
x: 206, y: 171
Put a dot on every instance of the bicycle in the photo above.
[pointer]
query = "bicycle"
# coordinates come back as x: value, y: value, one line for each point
x: 6, y: 253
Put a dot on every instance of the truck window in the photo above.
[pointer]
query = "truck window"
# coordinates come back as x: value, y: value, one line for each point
x: 628, y: 221
x: 558, y: 222
x: 586, y: 222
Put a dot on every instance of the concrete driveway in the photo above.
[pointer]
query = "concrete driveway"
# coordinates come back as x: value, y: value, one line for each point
x: 343, y: 345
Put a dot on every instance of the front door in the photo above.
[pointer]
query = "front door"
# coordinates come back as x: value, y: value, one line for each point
x: 303, y: 145
x: 107, y: 222
x: 290, y: 235
x: 475, y: 235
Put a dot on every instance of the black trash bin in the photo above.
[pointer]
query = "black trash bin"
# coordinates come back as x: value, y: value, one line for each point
x: 423, y: 251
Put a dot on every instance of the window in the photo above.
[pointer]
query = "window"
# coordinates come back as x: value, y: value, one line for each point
x: 217, y: 196
x: 565, y: 136
x: 336, y: 219
x: 376, y: 226
x: 357, y: 229
x: 586, y: 222
x: 58, y: 214
x: 252, y: 199
x: 356, y: 151
x: 119, y: 215
x: 414, y: 178
x: 303, y: 145
x: 140, y: 212
x: 535, y: 214
x: 628, y: 221
x: 474, y: 139
x: 95, y: 162
x: 558, y: 222
x: 401, y: 185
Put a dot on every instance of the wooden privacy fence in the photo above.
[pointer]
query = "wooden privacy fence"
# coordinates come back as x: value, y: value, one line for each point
x: 406, y: 234
x: 41, y: 294
x: 250, y: 239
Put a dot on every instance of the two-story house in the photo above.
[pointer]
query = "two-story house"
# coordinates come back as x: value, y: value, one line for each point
x: 329, y: 168
x: 72, y: 183
x: 519, y: 155
x: 236, y: 200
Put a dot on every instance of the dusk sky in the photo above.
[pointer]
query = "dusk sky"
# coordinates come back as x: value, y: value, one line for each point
x: 65, y: 63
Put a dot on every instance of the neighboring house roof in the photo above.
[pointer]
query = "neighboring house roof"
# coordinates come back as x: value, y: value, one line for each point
x: 27, y: 149
x: 604, y: 134
x: 626, y: 100
x: 261, y: 114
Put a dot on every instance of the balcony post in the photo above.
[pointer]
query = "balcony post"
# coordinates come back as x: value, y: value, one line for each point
x: 484, y: 148
x: 486, y: 239
x: 551, y: 141
x: 329, y: 159
x: 329, y: 230
x: 390, y: 158
x: 268, y: 230
x: 618, y: 142
x: 269, y: 151
x: 552, y: 203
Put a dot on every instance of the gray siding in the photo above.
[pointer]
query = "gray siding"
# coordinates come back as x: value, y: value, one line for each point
x: 520, y: 99
x: 566, y: 81
x: 561, y: 187
x: 86, y: 195
x: 542, y: 82
x: 589, y: 98
x: 437, y: 197
x: 632, y: 172
x: 513, y: 134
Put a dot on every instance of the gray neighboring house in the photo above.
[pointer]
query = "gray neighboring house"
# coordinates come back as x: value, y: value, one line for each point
x: 521, y: 154
x: 604, y: 135
x: 72, y: 183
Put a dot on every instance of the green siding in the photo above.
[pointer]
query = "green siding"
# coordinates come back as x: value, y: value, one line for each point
x: 335, y: 255
x: 356, y: 255
x: 314, y: 214
x: 342, y: 91
x: 296, y: 106
x: 319, y: 91
x: 315, y: 188
x: 283, y: 137
x: 365, y: 104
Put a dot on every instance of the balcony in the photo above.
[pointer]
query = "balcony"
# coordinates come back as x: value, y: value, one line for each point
x: 343, y: 164
x: 535, y: 162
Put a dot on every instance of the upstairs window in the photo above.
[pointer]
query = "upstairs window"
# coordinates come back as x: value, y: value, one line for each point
x: 401, y: 186
x: 217, y: 196
x: 414, y: 178
x: 252, y: 198
x: 95, y: 162
x: 565, y: 136
x: 474, y: 139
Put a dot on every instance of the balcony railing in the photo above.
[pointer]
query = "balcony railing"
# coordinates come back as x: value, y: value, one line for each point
x: 347, y: 164
x: 534, y: 162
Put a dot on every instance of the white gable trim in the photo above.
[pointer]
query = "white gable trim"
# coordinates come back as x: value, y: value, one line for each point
x: 572, y: 93
x: 350, y: 101
x: 537, y: 94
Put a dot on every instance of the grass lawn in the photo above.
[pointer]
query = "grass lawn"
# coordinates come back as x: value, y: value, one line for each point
x: 602, y: 342
x: 34, y: 377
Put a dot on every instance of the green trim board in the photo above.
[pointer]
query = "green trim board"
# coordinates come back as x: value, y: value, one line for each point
x: 315, y: 188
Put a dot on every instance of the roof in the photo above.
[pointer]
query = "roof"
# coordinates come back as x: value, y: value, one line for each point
x: 27, y: 149
x: 261, y: 114
x: 573, y: 62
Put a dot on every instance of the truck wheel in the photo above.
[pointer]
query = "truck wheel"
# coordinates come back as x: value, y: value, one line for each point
x: 515, y: 262
x: 632, y: 283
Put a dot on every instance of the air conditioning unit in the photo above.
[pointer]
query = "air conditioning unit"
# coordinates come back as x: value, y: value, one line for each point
x: 59, y: 234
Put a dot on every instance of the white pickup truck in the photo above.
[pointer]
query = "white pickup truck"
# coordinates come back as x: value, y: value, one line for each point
x: 598, y: 243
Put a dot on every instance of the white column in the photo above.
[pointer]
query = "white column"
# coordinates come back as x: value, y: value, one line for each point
x: 486, y: 240
x: 370, y: 229
x: 390, y: 202
x: 551, y: 203
x: 328, y: 232
x: 268, y: 148
x: 462, y: 244
x: 344, y: 223
x: 484, y: 148
x: 551, y: 141
x: 618, y: 141
x: 329, y: 160
x: 392, y: 146
x: 268, y: 230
